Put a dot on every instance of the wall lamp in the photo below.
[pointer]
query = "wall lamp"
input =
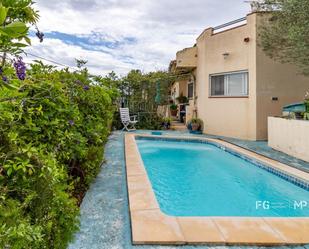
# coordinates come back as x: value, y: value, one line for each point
x: 225, y: 55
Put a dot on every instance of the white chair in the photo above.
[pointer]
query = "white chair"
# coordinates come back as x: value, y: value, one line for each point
x: 126, y: 119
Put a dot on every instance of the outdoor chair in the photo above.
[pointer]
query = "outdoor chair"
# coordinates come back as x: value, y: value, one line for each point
x: 126, y: 119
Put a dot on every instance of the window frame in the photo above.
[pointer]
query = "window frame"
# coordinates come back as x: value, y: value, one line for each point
x: 189, y: 83
x: 226, y: 85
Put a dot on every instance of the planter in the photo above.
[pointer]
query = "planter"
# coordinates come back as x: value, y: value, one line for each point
x: 174, y: 112
x: 166, y: 125
x: 195, y: 127
x: 196, y: 132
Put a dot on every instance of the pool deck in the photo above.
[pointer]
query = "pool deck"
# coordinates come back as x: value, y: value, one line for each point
x: 105, y: 220
x: 151, y: 226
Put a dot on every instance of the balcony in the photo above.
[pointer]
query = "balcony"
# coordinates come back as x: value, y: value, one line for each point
x: 186, y: 58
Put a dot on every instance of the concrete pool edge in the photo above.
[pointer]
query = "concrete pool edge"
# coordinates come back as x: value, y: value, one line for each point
x: 151, y: 226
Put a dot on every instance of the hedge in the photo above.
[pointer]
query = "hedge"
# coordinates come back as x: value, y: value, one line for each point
x: 52, y: 135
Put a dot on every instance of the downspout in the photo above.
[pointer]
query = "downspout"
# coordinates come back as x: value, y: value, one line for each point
x: 194, y: 94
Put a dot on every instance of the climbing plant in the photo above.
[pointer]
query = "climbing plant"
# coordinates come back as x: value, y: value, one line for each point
x: 142, y: 93
x: 52, y: 136
x: 16, y: 17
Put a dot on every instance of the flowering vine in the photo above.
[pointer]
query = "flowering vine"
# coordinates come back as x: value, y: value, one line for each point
x: 20, y: 68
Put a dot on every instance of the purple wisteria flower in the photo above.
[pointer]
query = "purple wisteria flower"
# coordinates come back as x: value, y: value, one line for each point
x: 71, y: 122
x: 20, y: 68
x: 39, y: 35
x: 86, y: 88
x: 78, y: 82
x: 3, y: 77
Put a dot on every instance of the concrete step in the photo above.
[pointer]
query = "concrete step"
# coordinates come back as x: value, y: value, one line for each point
x: 178, y: 126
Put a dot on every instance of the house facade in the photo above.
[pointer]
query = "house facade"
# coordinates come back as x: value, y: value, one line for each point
x: 235, y: 86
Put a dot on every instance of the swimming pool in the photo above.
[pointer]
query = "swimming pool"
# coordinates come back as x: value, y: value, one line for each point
x: 201, y: 179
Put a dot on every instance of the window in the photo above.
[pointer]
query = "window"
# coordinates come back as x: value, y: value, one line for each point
x: 231, y: 84
x: 190, y: 90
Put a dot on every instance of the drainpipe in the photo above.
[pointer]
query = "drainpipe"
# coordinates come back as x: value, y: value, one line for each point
x: 194, y: 93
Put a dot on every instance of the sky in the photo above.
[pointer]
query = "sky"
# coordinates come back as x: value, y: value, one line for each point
x: 120, y: 35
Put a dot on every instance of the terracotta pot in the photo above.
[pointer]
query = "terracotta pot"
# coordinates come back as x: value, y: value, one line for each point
x: 195, y: 127
x: 174, y: 112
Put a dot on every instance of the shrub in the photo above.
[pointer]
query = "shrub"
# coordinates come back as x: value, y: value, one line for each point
x: 52, y: 135
x: 173, y: 107
x: 149, y: 121
x: 195, y: 124
x: 166, y: 122
x: 182, y: 99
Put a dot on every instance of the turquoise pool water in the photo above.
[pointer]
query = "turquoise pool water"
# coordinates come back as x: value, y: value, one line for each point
x: 195, y: 179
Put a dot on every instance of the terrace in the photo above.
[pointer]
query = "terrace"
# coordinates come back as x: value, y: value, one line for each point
x: 107, y: 204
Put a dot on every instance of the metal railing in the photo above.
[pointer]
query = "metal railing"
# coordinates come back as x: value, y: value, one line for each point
x: 225, y: 25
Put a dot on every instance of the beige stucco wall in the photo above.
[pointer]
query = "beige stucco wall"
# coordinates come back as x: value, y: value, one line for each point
x: 186, y: 58
x: 232, y: 117
x: 289, y: 136
x: 244, y: 118
x: 183, y: 87
x: 276, y: 80
x: 190, y: 110
x: 180, y: 87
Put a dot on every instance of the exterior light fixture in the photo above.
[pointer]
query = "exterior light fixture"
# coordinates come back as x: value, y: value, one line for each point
x: 225, y: 55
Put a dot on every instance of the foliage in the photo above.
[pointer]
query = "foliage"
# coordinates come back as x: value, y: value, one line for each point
x: 138, y: 91
x: 195, y: 122
x: 149, y: 121
x: 15, y: 18
x: 182, y: 99
x: 173, y: 107
x: 166, y: 122
x: 52, y: 133
x: 286, y: 35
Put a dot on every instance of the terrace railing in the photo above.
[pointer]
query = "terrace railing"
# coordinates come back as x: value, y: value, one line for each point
x: 231, y: 24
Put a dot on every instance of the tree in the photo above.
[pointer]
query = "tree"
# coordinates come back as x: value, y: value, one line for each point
x: 286, y: 36
x: 138, y: 90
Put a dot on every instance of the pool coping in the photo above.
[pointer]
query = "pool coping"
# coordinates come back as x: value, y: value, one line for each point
x: 151, y: 226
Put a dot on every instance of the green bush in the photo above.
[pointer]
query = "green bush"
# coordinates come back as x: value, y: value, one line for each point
x: 195, y: 124
x: 173, y: 107
x: 149, y: 121
x: 146, y: 121
x: 52, y: 136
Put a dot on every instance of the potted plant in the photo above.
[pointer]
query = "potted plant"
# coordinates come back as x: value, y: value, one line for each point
x: 182, y: 99
x: 173, y: 108
x: 166, y: 123
x: 195, y: 125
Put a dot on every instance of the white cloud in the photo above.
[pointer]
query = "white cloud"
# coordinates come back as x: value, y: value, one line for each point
x: 160, y: 28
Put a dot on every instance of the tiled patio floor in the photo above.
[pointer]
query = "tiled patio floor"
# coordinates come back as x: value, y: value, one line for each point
x: 104, y: 218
